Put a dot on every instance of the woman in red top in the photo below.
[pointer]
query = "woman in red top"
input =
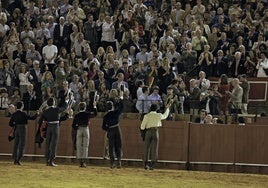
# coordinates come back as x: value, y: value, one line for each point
x: 223, y: 87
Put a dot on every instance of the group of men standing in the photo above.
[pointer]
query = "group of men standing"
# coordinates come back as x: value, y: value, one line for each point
x: 53, y: 115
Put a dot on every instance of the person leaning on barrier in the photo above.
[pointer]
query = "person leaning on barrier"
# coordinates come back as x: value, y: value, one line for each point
x: 81, y: 123
x: 151, y: 122
x: 19, y: 121
x: 52, y: 116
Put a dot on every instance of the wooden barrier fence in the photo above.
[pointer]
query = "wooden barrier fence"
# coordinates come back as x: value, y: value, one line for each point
x: 222, y: 147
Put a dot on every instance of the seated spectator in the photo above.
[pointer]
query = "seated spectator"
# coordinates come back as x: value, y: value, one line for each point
x: 209, y: 119
x: 202, y: 116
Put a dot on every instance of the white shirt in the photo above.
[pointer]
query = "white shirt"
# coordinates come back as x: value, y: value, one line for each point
x: 23, y: 77
x: 260, y: 66
x: 153, y: 119
x: 49, y: 52
x: 107, y: 32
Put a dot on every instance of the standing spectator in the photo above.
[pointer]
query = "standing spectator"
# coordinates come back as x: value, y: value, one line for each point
x: 143, y: 55
x: 143, y: 103
x: 250, y: 64
x: 47, y: 81
x: 60, y: 74
x: 89, y: 90
x: 120, y: 84
x: 19, y: 121
x: 79, y: 45
x: 43, y: 33
x: 205, y: 61
x: 220, y: 64
x: 203, y: 83
x: 24, y: 77
x: 165, y: 75
x: 224, y: 88
x: 111, y: 125
x: 245, y: 86
x: 76, y: 87
x: 4, y: 99
x: 189, y: 58
x: 155, y: 98
x: 20, y: 53
x: 91, y: 36
x: 108, y: 33
x: 30, y: 99
x: 33, y: 54
x: 235, y: 97
x: 76, y: 13
x: 61, y: 35
x: 81, y: 123
x: 7, y: 77
x: 199, y: 42
x: 151, y: 122
x: 64, y: 9
x: 262, y: 64
x: 50, y: 52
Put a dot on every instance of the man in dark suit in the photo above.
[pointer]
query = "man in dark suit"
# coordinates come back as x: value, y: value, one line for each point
x: 30, y: 99
x: 52, y: 116
x: 202, y: 116
x: 111, y: 125
x: 36, y: 79
x: 61, y: 35
x: 19, y: 121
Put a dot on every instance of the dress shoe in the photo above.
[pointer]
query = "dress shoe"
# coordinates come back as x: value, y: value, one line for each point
x: 146, y: 167
x: 17, y: 163
x: 51, y: 163
x: 84, y: 165
x: 113, y: 165
x: 119, y: 165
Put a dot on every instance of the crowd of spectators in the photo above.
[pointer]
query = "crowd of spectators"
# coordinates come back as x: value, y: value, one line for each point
x: 88, y: 50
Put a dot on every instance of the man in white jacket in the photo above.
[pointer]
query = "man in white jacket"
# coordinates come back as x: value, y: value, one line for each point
x: 151, y: 122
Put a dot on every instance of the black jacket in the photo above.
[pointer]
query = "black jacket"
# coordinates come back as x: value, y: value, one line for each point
x: 82, y: 118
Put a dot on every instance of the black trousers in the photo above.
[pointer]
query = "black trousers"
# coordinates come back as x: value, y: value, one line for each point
x: 19, y: 142
x: 52, y: 141
x: 115, y: 143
